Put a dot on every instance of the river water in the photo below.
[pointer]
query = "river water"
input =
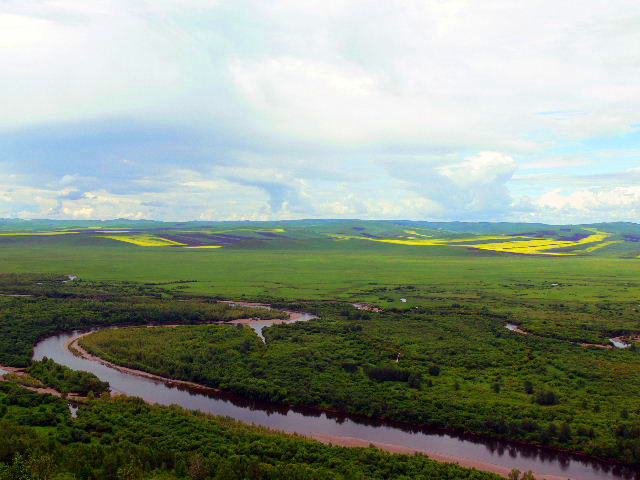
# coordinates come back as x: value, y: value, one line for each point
x: 259, y: 325
x: 309, y: 422
x: 616, y: 342
x: 619, y: 343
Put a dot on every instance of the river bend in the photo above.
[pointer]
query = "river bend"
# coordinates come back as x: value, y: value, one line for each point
x: 310, y: 422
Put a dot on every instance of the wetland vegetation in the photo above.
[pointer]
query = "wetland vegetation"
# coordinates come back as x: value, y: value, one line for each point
x: 124, y: 438
x: 458, y: 368
x: 25, y: 319
x: 440, y: 356
x: 66, y: 380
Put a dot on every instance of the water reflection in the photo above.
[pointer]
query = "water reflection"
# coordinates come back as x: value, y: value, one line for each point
x: 311, y: 421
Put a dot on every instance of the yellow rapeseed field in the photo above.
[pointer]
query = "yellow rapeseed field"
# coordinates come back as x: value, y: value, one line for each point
x: 413, y: 232
x: 266, y: 230
x: 64, y: 231
x: 502, y: 243
x: 16, y: 234
x: 600, y: 245
x: 144, y: 240
x: 427, y: 241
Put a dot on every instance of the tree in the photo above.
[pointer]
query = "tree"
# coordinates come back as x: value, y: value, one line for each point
x: 528, y: 387
x: 415, y: 380
x: 546, y: 398
x: 42, y: 467
x: 565, y: 432
x: 19, y: 470
x: 131, y: 471
x: 197, y: 468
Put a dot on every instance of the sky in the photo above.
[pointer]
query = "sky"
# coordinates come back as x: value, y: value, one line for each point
x: 441, y: 110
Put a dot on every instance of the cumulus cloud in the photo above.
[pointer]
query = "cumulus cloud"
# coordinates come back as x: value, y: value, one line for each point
x: 250, y: 109
x: 468, y: 188
x: 486, y: 168
x: 590, y: 200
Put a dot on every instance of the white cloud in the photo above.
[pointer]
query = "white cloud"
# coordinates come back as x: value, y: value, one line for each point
x: 451, y: 72
x: 83, y: 212
x: 68, y: 179
x: 421, y: 109
x: 554, y: 163
x: 615, y: 199
x: 484, y: 168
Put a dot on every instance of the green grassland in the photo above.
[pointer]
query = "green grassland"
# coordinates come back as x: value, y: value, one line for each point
x: 586, y: 298
x: 324, y: 269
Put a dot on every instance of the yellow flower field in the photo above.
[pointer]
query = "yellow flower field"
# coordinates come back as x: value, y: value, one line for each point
x: 502, y: 243
x: 19, y: 234
x: 64, y: 231
x: 600, y: 245
x: 141, y: 239
x: 144, y: 240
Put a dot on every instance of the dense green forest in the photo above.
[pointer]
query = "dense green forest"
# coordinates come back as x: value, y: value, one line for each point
x: 457, y: 368
x: 457, y: 365
x: 26, y: 319
x: 66, y: 380
x: 125, y: 439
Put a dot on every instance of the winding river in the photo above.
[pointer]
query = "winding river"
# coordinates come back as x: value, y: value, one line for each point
x: 469, y: 450
x: 616, y: 342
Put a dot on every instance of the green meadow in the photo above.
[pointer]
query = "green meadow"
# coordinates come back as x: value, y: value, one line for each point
x: 348, y: 271
x: 329, y: 270
x: 582, y: 298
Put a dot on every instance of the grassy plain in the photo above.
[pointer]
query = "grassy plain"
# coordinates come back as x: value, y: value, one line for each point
x: 580, y: 298
x: 328, y: 270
